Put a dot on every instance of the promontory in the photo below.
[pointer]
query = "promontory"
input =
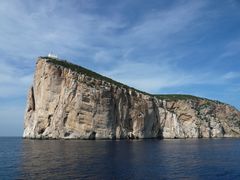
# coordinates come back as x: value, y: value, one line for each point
x: 67, y: 101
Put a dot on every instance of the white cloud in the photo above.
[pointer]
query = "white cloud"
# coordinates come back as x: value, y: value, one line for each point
x: 58, y: 26
x: 13, y: 81
x: 231, y: 75
x: 74, y: 33
x: 165, y: 29
x: 146, y: 52
x: 152, y: 77
x: 103, y: 57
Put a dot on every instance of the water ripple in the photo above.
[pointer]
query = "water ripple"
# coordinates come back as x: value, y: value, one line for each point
x: 142, y: 159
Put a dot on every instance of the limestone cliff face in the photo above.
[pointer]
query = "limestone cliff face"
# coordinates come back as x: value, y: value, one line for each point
x: 201, y: 118
x: 69, y: 104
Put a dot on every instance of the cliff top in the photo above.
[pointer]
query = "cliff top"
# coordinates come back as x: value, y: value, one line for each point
x: 82, y: 70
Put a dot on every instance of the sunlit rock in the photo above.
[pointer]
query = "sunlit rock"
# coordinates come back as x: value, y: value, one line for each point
x: 71, y: 102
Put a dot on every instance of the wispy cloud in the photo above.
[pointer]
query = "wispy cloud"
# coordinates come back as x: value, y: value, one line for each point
x: 231, y: 49
x: 161, y: 46
x: 149, y: 50
x: 155, y: 77
x: 149, y: 77
x: 158, y: 27
x: 13, y: 81
x: 231, y: 75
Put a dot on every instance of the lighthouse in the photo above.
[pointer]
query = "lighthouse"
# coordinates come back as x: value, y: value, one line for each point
x: 50, y: 55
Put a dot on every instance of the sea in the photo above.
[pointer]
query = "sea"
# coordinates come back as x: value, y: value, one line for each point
x: 119, y: 159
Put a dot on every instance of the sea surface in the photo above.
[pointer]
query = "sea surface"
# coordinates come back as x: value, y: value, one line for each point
x: 123, y: 159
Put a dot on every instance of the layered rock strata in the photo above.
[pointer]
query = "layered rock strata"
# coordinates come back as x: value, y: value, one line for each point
x: 65, y: 102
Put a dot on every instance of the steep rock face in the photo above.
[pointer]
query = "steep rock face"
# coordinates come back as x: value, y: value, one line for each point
x: 63, y: 103
x: 201, y: 118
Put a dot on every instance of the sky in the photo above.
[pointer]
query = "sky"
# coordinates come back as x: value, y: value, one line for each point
x: 186, y: 47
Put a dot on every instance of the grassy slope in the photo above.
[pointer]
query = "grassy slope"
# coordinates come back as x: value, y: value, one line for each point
x: 79, y: 69
x: 176, y: 96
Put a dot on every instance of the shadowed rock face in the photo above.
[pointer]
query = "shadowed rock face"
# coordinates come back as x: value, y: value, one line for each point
x: 63, y: 103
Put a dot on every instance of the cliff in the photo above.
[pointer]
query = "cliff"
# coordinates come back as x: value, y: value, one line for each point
x: 68, y: 101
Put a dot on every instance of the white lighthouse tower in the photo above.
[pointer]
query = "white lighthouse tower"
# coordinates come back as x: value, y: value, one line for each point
x: 51, y: 55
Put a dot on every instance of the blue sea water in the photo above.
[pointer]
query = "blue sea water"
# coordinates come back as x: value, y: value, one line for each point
x: 124, y: 159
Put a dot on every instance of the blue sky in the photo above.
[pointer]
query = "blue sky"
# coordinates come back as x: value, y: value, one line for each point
x: 189, y: 47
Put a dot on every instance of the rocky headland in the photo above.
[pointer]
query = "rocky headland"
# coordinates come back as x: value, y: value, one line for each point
x: 67, y: 101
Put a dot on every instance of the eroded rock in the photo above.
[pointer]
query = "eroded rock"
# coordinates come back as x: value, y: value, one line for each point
x: 65, y: 103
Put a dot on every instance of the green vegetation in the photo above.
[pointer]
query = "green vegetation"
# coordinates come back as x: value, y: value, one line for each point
x: 174, y: 97
x: 82, y: 70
